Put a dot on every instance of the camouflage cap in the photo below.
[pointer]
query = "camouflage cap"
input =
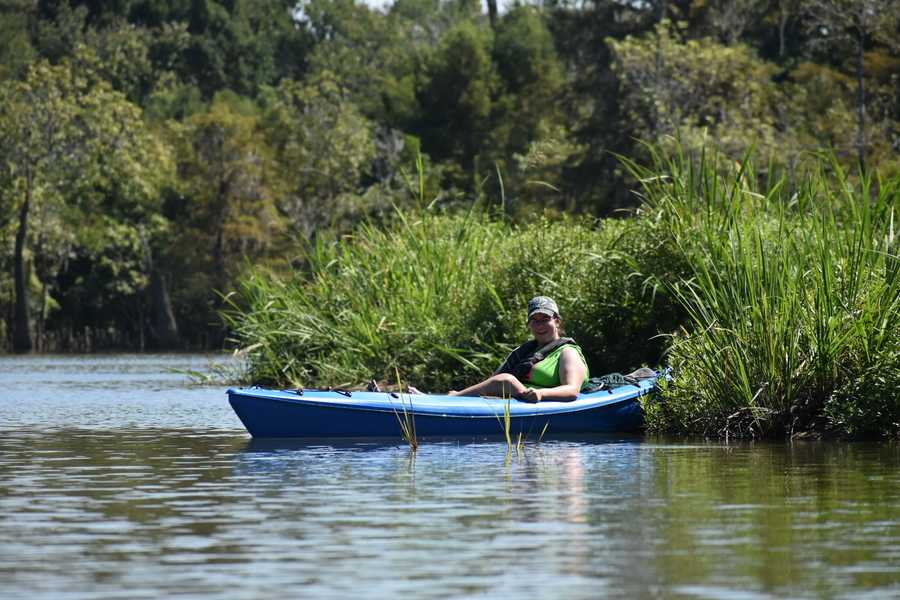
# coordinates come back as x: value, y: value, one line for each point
x: 544, y: 305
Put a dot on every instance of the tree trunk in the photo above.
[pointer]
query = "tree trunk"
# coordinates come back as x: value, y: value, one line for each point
x: 142, y: 344
x: 782, y: 26
x: 163, y: 327
x: 41, y: 335
x: 657, y: 75
x: 22, y: 335
x: 218, y: 250
x: 492, y: 12
x: 39, y: 268
x: 218, y: 253
x: 861, y: 100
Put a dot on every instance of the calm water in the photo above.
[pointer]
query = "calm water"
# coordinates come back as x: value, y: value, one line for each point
x: 117, y: 480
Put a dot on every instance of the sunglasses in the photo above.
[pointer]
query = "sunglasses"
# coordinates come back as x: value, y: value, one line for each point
x: 540, y: 319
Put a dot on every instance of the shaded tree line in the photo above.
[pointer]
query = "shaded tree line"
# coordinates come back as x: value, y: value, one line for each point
x: 150, y: 150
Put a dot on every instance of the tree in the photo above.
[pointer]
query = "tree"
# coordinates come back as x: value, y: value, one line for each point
x: 240, y: 44
x: 532, y: 77
x: 785, y: 12
x: 65, y: 137
x: 853, y: 24
x: 59, y: 29
x: 135, y: 59
x: 426, y: 22
x: 731, y: 18
x: 324, y: 146
x: 591, y: 99
x: 697, y: 88
x: 455, y: 95
x: 373, y: 55
x: 528, y: 123
x: 224, y: 210
x: 105, y: 284
x: 16, y: 50
x: 492, y: 12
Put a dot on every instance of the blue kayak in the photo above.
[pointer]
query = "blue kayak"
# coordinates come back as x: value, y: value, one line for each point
x: 338, y: 413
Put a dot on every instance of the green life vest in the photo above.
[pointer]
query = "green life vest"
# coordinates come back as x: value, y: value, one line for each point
x: 545, y: 374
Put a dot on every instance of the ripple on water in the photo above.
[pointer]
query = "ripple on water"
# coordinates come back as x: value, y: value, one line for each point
x: 155, y: 490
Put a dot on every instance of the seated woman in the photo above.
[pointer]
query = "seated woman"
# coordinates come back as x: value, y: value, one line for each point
x: 548, y: 367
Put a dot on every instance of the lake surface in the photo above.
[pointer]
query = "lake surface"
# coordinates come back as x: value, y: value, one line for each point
x: 119, y: 480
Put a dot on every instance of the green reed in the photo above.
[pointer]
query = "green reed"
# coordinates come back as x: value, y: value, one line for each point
x: 371, y: 302
x: 506, y: 426
x: 505, y: 420
x: 442, y: 297
x: 406, y: 420
x: 782, y: 291
x: 792, y: 294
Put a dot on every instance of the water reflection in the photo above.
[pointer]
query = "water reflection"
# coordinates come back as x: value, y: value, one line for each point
x: 824, y: 516
x: 149, y: 512
x: 110, y: 392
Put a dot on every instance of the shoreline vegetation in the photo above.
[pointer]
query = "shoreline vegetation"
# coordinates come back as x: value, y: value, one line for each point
x: 150, y: 151
x: 361, y: 189
x: 775, y: 298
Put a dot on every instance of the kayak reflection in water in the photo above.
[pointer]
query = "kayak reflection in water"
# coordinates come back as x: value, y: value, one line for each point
x: 547, y: 367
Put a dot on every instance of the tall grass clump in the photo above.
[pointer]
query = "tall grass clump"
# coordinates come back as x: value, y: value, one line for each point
x: 406, y: 417
x: 370, y: 303
x: 441, y: 297
x: 792, y: 297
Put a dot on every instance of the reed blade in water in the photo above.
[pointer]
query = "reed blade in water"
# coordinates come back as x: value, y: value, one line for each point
x: 406, y: 420
x: 506, y: 422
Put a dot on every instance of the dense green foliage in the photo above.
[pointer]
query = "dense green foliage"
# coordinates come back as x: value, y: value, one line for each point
x: 236, y: 132
x: 792, y: 298
x: 784, y: 295
x: 441, y: 299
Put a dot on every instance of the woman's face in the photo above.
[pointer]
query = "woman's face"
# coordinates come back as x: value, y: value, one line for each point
x: 544, y: 328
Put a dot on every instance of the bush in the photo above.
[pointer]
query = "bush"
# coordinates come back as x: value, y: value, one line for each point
x: 792, y: 299
x: 781, y: 298
x: 441, y: 299
x: 868, y: 404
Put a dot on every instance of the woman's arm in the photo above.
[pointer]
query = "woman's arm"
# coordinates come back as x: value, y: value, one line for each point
x: 502, y: 384
x: 571, y: 377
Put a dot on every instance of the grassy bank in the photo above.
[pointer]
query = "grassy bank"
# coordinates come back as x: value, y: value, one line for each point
x: 781, y: 295
x: 442, y: 297
x: 792, y: 299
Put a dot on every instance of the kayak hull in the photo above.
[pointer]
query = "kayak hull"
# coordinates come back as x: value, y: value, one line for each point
x: 334, y: 414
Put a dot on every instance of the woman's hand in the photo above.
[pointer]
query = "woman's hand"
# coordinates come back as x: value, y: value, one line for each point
x: 532, y: 395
